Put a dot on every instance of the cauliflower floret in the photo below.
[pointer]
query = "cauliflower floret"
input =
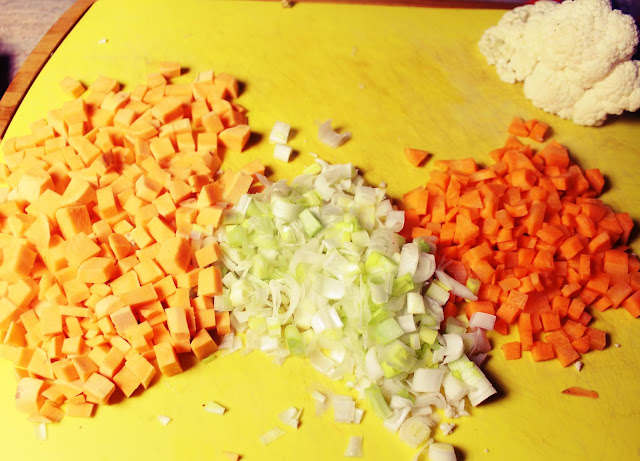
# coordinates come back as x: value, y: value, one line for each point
x: 560, y: 93
x: 573, y: 57
x: 618, y: 92
x: 503, y: 44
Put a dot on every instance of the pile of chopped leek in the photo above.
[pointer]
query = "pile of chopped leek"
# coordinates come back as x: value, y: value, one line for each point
x: 316, y: 268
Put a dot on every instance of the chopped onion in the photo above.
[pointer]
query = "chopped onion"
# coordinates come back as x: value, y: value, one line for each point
x: 358, y: 413
x: 479, y: 359
x: 409, y: 256
x: 456, y: 287
x: 271, y: 435
x: 215, y: 408
x: 481, y: 344
x: 354, y: 448
x: 454, y: 347
x: 426, y: 268
x: 482, y: 320
x: 454, y: 389
x: 441, y: 452
x: 395, y: 221
x: 331, y: 138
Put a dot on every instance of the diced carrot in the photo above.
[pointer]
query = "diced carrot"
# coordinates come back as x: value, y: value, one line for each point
x: 618, y: 293
x: 581, y: 345
x: 538, y: 131
x: 479, y: 306
x: 512, y: 350
x: 581, y: 392
x: 508, y: 312
x: 562, y: 347
x: 632, y: 304
x: 525, y: 330
x: 573, y: 330
x: 575, y: 309
x: 597, y: 338
x: 616, y: 262
x: 541, y: 351
x: 415, y: 156
x: 550, y: 320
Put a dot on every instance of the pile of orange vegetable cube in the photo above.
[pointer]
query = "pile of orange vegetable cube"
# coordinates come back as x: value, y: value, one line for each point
x: 531, y: 229
x: 99, y: 285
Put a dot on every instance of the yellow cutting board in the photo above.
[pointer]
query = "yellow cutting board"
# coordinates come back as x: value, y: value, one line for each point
x: 394, y: 77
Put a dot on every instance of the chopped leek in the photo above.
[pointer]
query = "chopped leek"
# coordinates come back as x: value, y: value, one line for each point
x: 310, y: 223
x: 354, y: 448
x: 376, y: 400
x: 271, y: 435
x: 316, y: 268
x: 294, y: 340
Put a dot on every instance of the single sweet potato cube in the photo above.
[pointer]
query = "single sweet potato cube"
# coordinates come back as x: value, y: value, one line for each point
x: 99, y: 388
x: 29, y: 397
x: 167, y: 359
x: 203, y: 345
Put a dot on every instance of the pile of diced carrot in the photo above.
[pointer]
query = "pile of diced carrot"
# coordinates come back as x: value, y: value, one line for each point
x: 100, y: 281
x: 531, y: 228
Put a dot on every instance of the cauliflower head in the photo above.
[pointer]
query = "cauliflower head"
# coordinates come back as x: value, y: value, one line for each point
x: 573, y: 57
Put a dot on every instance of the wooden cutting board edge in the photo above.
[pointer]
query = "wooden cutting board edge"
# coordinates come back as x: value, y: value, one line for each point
x: 36, y: 60
x: 34, y: 63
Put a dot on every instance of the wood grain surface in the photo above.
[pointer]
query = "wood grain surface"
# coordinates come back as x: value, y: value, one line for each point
x: 36, y: 60
x: 44, y: 49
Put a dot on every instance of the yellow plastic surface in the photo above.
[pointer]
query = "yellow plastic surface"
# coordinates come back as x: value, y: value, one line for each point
x: 394, y: 77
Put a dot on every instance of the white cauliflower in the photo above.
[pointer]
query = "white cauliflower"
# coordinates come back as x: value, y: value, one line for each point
x: 573, y: 57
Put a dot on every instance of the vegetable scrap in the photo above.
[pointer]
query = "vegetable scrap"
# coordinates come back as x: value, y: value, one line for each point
x: 164, y: 420
x: 104, y: 279
x: 291, y: 417
x: 354, y: 448
x: 447, y: 428
x: 529, y: 234
x: 231, y: 456
x: 441, y: 452
x: 574, y: 57
x: 331, y: 138
x: 416, y: 156
x: 272, y: 435
x: 214, y: 408
x: 580, y: 392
